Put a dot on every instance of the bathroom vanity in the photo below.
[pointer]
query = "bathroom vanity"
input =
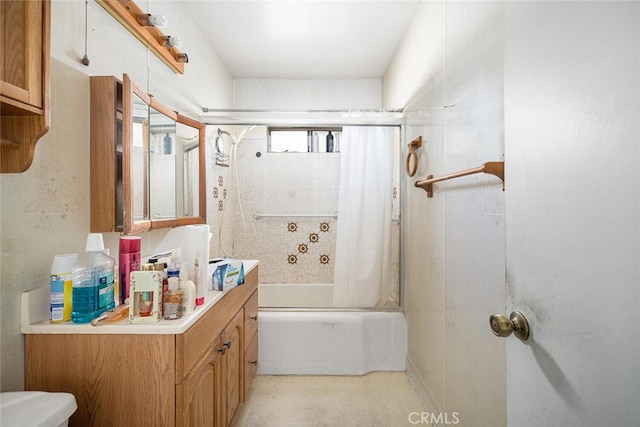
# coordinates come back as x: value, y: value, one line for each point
x: 193, y: 371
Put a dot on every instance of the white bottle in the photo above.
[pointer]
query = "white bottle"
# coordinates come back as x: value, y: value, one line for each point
x: 188, y: 291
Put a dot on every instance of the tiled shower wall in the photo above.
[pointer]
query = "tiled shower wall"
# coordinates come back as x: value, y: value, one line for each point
x: 293, y: 248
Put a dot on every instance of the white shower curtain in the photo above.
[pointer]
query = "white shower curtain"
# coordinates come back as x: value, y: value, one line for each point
x: 363, y: 239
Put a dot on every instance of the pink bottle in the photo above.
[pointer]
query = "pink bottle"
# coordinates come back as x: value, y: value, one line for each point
x: 129, y: 260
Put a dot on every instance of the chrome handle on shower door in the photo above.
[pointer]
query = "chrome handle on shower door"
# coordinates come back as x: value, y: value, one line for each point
x: 516, y: 323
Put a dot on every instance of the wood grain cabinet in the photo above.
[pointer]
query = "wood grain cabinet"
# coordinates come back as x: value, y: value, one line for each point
x: 24, y: 80
x: 198, y: 397
x: 197, y: 378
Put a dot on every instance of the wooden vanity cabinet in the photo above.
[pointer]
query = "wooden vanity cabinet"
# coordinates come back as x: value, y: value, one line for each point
x: 198, y: 397
x: 24, y: 80
x: 197, y: 378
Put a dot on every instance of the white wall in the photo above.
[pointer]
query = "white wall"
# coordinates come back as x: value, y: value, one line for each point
x: 45, y: 210
x: 310, y: 94
x: 448, y: 73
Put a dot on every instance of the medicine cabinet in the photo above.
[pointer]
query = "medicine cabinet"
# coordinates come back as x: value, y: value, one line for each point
x: 147, y: 161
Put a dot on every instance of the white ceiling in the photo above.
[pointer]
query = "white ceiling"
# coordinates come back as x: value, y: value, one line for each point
x: 303, y: 39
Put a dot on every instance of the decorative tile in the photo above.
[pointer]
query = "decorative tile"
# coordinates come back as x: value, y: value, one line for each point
x: 324, y: 259
x: 324, y: 227
x: 293, y: 259
x: 215, y: 192
x: 303, y: 248
x: 220, y: 181
x: 292, y: 227
x: 224, y: 194
x: 313, y: 237
x: 220, y: 205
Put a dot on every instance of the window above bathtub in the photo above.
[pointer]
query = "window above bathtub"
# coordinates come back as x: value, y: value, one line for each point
x: 304, y: 139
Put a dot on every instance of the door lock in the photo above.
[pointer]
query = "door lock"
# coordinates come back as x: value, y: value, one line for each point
x: 516, y: 323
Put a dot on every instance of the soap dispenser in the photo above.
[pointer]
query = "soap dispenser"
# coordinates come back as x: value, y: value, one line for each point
x: 188, y: 289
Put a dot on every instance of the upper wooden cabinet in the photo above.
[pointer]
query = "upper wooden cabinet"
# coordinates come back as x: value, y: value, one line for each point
x: 24, y: 80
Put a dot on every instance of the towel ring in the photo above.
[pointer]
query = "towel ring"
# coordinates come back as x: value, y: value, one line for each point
x: 413, y: 145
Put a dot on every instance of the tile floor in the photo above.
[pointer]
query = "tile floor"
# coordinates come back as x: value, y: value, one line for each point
x: 383, y: 399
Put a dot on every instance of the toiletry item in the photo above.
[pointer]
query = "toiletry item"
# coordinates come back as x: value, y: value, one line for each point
x: 172, y: 300
x: 116, y: 284
x: 227, y: 274
x: 161, y: 267
x: 93, y: 280
x: 118, y: 313
x: 188, y: 291
x: 129, y: 260
x: 61, y: 287
x: 194, y: 251
x: 315, y: 147
x: 329, y: 143
x: 145, y: 304
x: 145, y: 295
x: 198, y: 279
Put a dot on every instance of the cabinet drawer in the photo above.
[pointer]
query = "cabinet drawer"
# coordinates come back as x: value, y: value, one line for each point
x: 250, y: 364
x: 250, y: 318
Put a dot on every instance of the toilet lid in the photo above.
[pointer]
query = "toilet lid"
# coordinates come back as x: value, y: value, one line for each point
x: 35, y: 408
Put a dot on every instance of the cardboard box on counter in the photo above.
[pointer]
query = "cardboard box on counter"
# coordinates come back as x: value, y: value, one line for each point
x: 225, y: 274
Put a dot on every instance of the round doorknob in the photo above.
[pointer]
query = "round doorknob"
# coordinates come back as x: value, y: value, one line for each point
x: 516, y: 324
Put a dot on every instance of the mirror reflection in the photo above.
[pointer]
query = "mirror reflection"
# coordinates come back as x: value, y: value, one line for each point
x: 188, y: 139
x: 139, y: 148
x: 163, y: 166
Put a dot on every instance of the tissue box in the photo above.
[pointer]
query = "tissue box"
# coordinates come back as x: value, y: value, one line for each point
x: 226, y: 274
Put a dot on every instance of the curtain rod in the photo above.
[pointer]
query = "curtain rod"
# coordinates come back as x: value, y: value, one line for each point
x: 351, y: 111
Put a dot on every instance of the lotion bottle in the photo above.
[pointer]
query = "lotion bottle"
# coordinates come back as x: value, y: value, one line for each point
x: 188, y: 289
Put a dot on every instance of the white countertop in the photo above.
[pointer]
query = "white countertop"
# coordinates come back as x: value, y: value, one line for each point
x: 35, y: 316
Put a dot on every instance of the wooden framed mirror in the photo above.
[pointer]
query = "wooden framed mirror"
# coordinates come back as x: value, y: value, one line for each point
x: 147, y: 161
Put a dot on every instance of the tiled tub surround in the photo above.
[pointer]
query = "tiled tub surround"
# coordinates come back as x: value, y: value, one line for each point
x: 292, y: 249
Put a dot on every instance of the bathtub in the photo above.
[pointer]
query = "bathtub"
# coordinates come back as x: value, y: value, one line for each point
x: 299, y: 340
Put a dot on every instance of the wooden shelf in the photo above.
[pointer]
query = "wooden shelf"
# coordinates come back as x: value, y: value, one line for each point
x: 126, y: 12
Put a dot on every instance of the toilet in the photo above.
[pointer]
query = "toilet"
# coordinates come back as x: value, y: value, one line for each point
x: 36, y: 409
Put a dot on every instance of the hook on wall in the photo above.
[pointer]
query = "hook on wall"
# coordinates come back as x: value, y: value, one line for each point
x: 413, y: 145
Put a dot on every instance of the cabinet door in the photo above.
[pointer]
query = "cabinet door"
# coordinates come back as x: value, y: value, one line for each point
x: 198, y: 399
x: 233, y: 361
x: 22, y: 47
x: 24, y: 81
